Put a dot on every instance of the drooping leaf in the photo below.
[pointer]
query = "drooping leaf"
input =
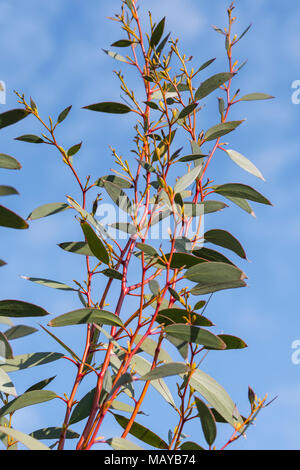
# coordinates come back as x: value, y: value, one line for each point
x: 208, y: 422
x: 95, y: 243
x: 242, y: 203
x: 83, y: 408
x: 157, y: 33
x: 211, y: 84
x: 124, y: 227
x: 211, y: 255
x: 242, y: 191
x: 154, y: 287
x: 148, y: 249
x: 214, y: 272
x: 167, y: 370
x: 206, y: 64
x: 226, y: 240
x: 27, y: 399
x: 244, y: 163
x: 5, y: 347
x: 47, y: 209
x: 186, y: 180
x: 118, y: 443
x: 187, y: 110
x: 86, y: 315
x: 11, y: 220
x: 8, y: 162
x: 180, y: 345
x: 115, y: 55
x: 6, y: 385
x: 49, y: 283
x: 7, y: 190
x: 118, y: 196
x: 195, y: 334
x: 112, y: 273
x: 140, y: 432
x: 12, y: 116
x: 256, y: 96
x: 25, y: 361
x: 173, y: 315
x: 109, y: 107
x: 28, y: 441
x: 233, y: 342
x: 213, y: 206
x: 80, y: 248
x: 221, y: 129
x: 41, y: 384
x: 53, y: 433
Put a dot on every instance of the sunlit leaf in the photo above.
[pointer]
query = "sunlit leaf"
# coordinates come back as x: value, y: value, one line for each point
x: 256, y: 96
x: 173, y: 315
x: 40, y: 385
x: 27, y: 399
x: 195, y: 334
x: 6, y: 385
x: 11, y: 220
x: 8, y: 162
x: 109, y: 107
x: 25, y: 361
x: 12, y: 116
x: 28, y: 441
x: 86, y: 315
x: 186, y: 180
x: 80, y: 248
x: 243, y: 191
x: 47, y: 209
x: 226, y: 240
x: 167, y: 370
x: 211, y: 84
x: 140, y: 432
x: 244, y: 163
x: 221, y: 129
x: 49, y: 283
x: 5, y: 347
x: 117, y: 443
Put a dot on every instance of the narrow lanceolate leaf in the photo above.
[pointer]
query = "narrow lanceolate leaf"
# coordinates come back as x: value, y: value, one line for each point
x: 210, y: 287
x: 28, y: 441
x: 112, y: 273
x: 122, y: 43
x: 117, y: 180
x: 241, y: 191
x: 124, y: 227
x: 226, y: 240
x: 186, y: 180
x: 19, y: 331
x: 150, y: 347
x: 49, y: 283
x: 181, y: 346
x: 157, y: 33
x: 62, y: 116
x: 221, y: 129
x: 140, y: 432
x: 6, y: 385
x: 208, y: 422
x: 53, y: 433
x: 47, y: 209
x: 25, y: 361
x: 211, y: 255
x: 11, y: 117
x: 109, y: 107
x: 18, y: 308
x: 7, y: 190
x: 213, y: 206
x: 61, y: 343
x: 187, y: 110
x: 167, y: 370
x: 83, y: 407
x: 194, y: 334
x: 86, y: 315
x: 30, y: 138
x: 80, y: 248
x: 206, y: 64
x: 27, y: 399
x: 5, y: 347
x: 118, y: 196
x: 216, y: 396
x: 8, y: 162
x: 115, y: 55
x: 41, y: 384
x: 170, y: 316
x: 242, y: 203
x: 233, y: 342
x: 74, y: 149
x: 11, y: 220
x: 256, y: 96
x: 118, y: 443
x: 95, y: 243
x: 244, y: 163
x: 214, y: 272
x: 211, y: 84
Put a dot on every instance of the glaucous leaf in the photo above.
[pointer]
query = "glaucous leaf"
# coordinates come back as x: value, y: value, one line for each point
x: 226, y: 240
x: 53, y: 433
x: 5, y: 347
x: 244, y: 163
x: 173, y: 315
x: 8, y: 162
x: 242, y: 191
x: 214, y: 272
x: 47, y: 209
x: 256, y: 96
x: 6, y: 385
x: 49, y: 283
x: 186, y: 180
x: 211, y: 84
x: 80, y: 248
x: 118, y: 443
x: 86, y: 315
x: 40, y: 385
x: 27, y: 399
x: 95, y: 243
x: 25, y: 361
x: 18, y: 308
x: 28, y: 441
x: 19, y: 331
x: 208, y: 422
x: 167, y: 370
x: 221, y: 129
x: 194, y: 334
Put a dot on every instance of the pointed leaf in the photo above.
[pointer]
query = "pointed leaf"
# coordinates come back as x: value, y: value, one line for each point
x: 62, y: 116
x: 167, y: 370
x: 30, y: 138
x: 226, y: 240
x: 211, y: 84
x: 242, y: 203
x: 80, y: 248
x: 53, y: 433
x: 86, y: 315
x: 19, y: 331
x: 256, y: 96
x: 49, y: 283
x: 241, y: 191
x: 178, y: 315
x: 7, y: 190
x: 210, y: 287
x: 141, y: 433
x: 214, y: 272
x: 208, y: 422
x: 6, y: 385
x: 41, y: 384
x: 61, y: 343
x: 11, y: 117
x: 115, y: 55
x: 95, y: 243
x: 122, y: 43
x: 244, y: 163
x: 27, y: 399
x: 221, y: 129
x: 10, y: 219
x: 74, y: 149
x: 25, y: 361
x: 28, y: 441
x: 8, y: 162
x: 118, y: 196
x: 189, y: 445
x: 186, y: 180
x: 109, y: 107
x: 18, y: 308
x: 83, y: 408
x: 119, y: 443
x: 187, y: 110
x: 194, y: 334
x: 5, y: 347
x: 47, y: 209
x: 117, y: 180
x: 157, y: 33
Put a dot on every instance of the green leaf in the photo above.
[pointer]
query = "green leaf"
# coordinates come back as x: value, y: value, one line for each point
x: 27, y: 399
x: 18, y: 308
x: 122, y: 43
x: 6, y: 385
x: 244, y: 163
x: 109, y: 107
x: 187, y: 110
x: 206, y: 64
x: 233, y: 342
x: 194, y: 334
x: 8, y: 162
x: 181, y: 346
x: 170, y: 316
x: 256, y: 96
x: 120, y: 406
x: 112, y: 273
x: 61, y: 343
x: 141, y: 433
x: 213, y: 206
x: 41, y: 384
x: 5, y: 347
x: 214, y: 272
x: 211, y: 84
x: 118, y: 196
x: 10, y: 219
x: 161, y: 46
x: 226, y: 240
x: 11, y: 117
x: 28, y: 441
x: 96, y: 245
x: 47, y: 209
x: 148, y: 249
x: 115, y: 55
x: 53, y: 433
x: 80, y: 248
x: 62, y: 116
x: 117, y: 180
x: 74, y: 149
x: 221, y: 129
x: 84, y: 406
x: 7, y: 190
x: 167, y: 370
x: 242, y: 203
x: 199, y: 305
x: 25, y: 361
x: 210, y: 287
x: 211, y: 255
x: 189, y: 445
x: 208, y: 422
x: 2, y: 263
x: 157, y: 33
x: 119, y: 443
x: 215, y: 395
x: 243, y: 34
x: 243, y: 191
x: 191, y: 158
x: 86, y: 315
x: 19, y: 331
x: 30, y: 138
x: 150, y: 347
x: 49, y: 283
x: 124, y: 227
x: 154, y: 287
x: 186, y: 180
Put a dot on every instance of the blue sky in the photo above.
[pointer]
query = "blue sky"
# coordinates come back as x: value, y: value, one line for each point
x: 52, y: 52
